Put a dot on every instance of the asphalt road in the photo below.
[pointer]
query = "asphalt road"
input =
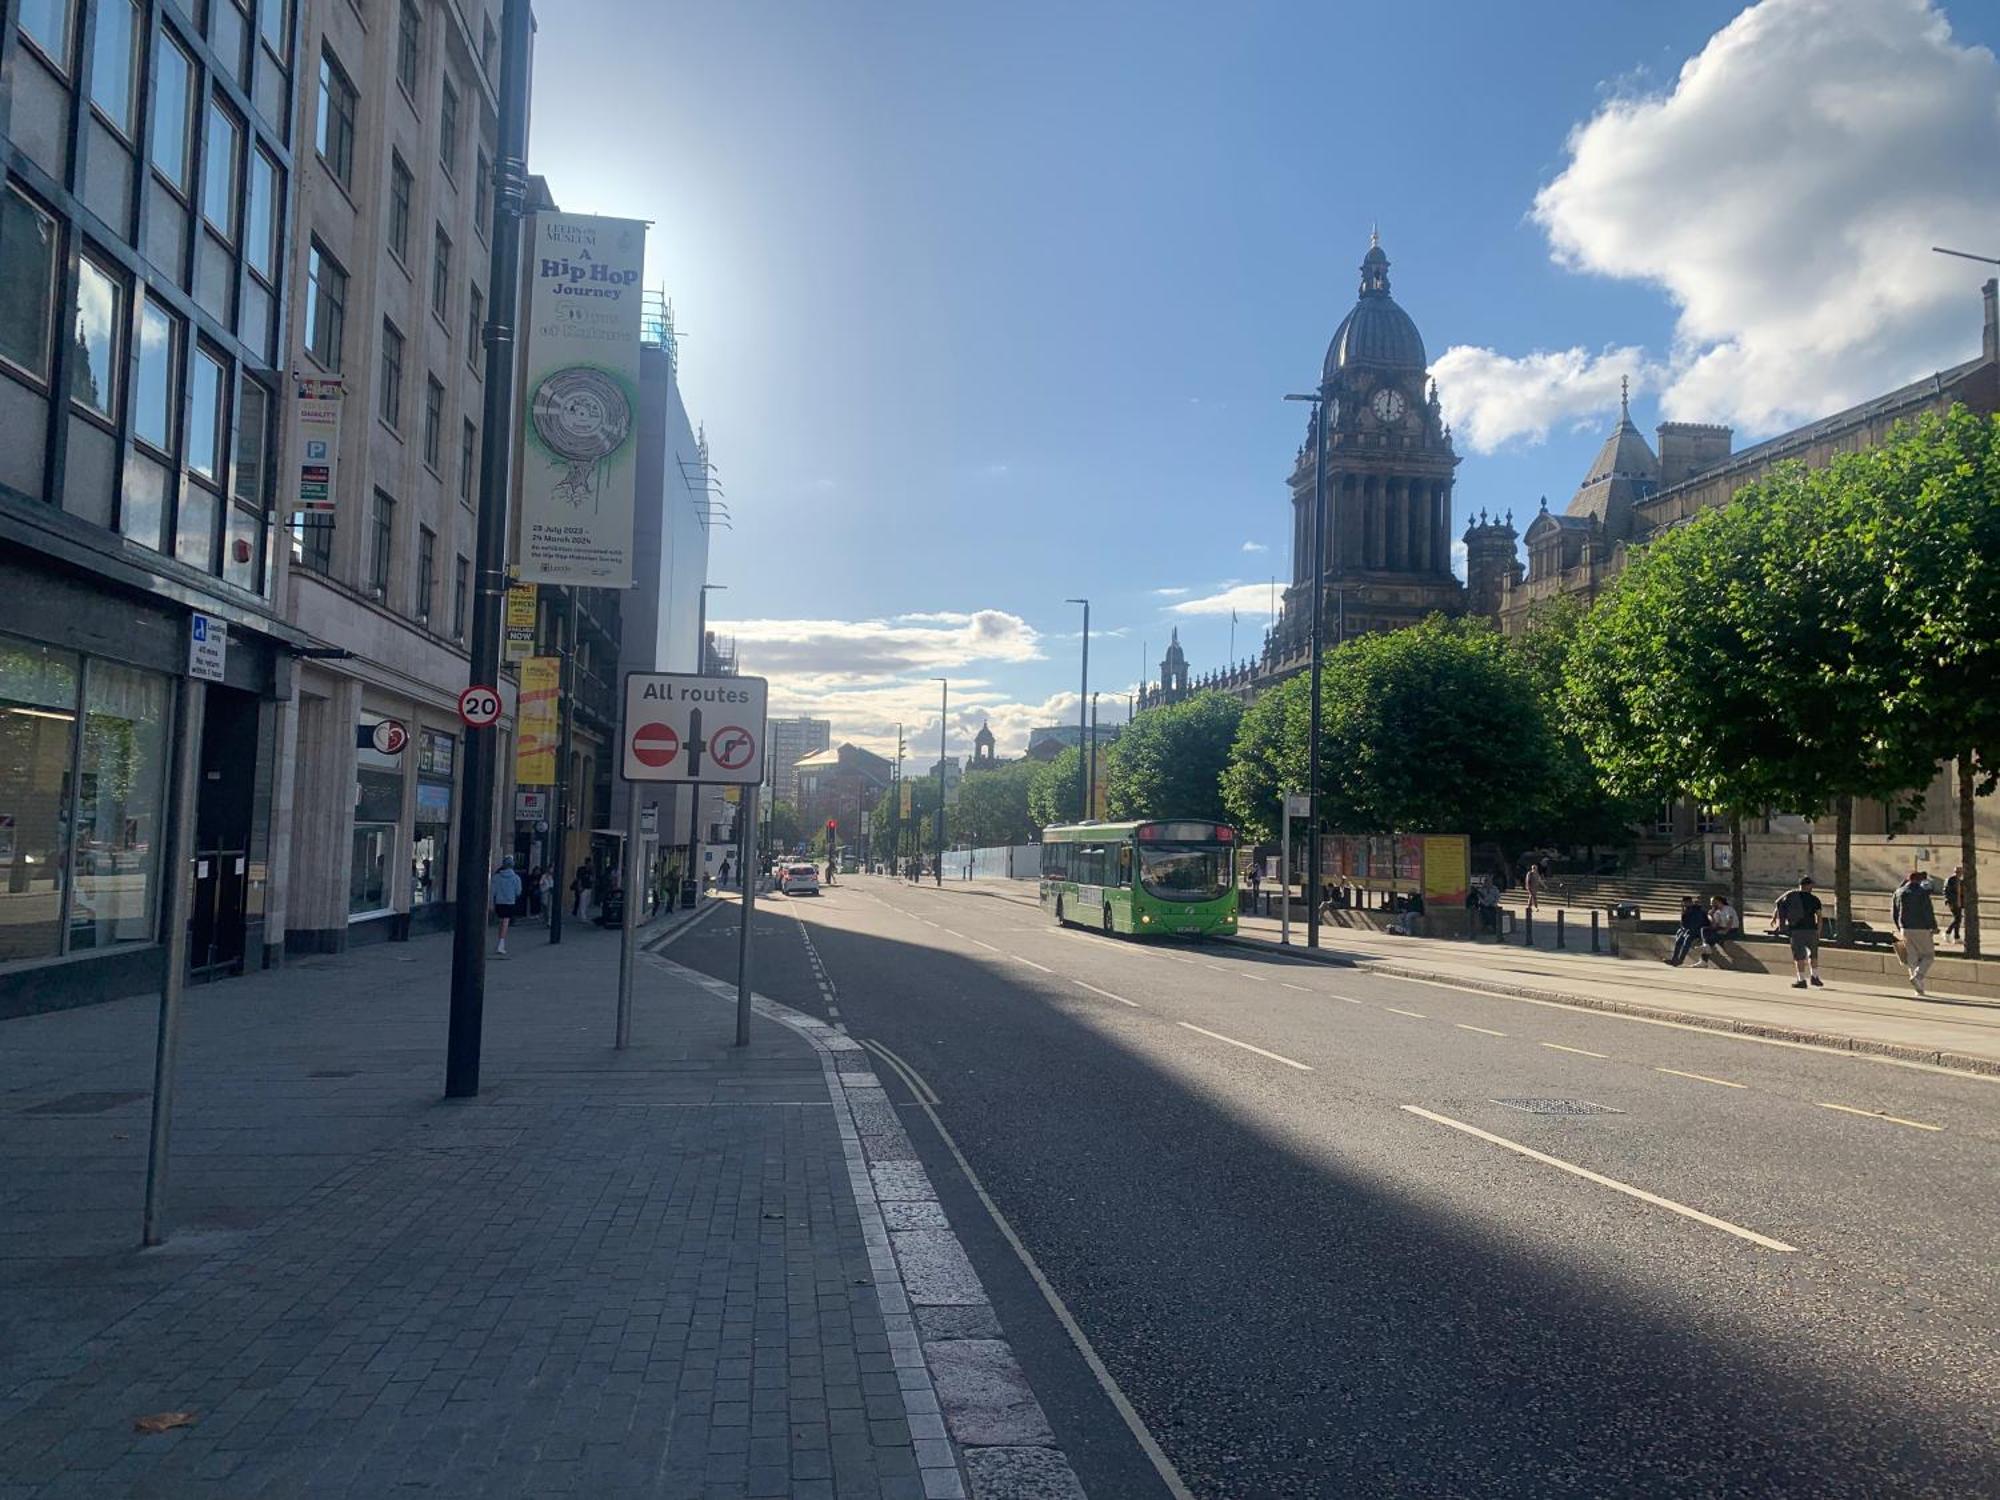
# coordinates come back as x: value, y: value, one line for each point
x: 1294, y: 1209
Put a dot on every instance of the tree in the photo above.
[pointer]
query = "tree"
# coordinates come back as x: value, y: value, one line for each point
x: 888, y: 827
x: 1169, y: 761
x: 1055, y: 789
x: 1721, y: 663
x: 1436, y: 729
x: 993, y: 805
x: 781, y: 832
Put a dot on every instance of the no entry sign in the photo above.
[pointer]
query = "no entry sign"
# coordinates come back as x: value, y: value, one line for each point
x: 680, y: 727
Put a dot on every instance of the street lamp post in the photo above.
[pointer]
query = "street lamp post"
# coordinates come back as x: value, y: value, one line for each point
x: 944, y: 706
x: 1093, y: 753
x: 1314, y: 646
x: 694, y: 790
x: 1082, y: 709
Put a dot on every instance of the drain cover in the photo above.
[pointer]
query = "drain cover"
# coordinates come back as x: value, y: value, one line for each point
x: 1559, y: 1107
x: 91, y: 1102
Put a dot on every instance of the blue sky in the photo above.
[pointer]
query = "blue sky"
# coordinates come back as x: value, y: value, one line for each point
x: 988, y: 306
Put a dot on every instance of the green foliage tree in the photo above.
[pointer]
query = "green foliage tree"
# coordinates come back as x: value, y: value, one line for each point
x: 887, y: 827
x: 1169, y: 761
x: 782, y: 832
x: 1055, y: 789
x: 993, y: 806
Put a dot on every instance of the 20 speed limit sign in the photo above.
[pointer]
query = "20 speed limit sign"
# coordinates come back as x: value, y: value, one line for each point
x: 479, y: 707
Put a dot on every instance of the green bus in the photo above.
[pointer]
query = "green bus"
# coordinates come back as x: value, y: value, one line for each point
x: 1154, y: 877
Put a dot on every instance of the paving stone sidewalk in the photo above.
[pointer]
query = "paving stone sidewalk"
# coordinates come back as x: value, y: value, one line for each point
x: 614, y: 1273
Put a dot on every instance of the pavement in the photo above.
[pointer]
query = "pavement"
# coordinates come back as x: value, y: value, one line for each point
x: 669, y: 1271
x: 1262, y: 1227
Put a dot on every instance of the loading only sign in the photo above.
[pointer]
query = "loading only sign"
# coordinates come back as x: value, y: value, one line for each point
x: 679, y: 727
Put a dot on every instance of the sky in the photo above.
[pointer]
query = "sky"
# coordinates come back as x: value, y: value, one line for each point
x: 984, y: 308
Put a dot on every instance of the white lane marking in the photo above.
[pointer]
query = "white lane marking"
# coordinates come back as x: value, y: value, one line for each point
x: 1162, y: 1465
x: 1482, y: 1030
x: 1396, y: 1010
x: 1708, y: 1031
x: 955, y: 933
x: 1702, y: 1078
x: 1031, y: 963
x: 1107, y: 994
x: 1602, y: 1181
x: 1274, y: 1056
x: 919, y: 1089
x: 1299, y: 987
x: 987, y: 946
x: 1218, y: 969
x: 1579, y: 1051
x: 1876, y: 1114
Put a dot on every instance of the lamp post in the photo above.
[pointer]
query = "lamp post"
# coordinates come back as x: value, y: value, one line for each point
x: 1082, y: 709
x: 693, y: 872
x: 944, y: 705
x: 1092, y: 784
x: 1318, y: 401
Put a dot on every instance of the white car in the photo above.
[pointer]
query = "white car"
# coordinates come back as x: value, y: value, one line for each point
x: 798, y: 880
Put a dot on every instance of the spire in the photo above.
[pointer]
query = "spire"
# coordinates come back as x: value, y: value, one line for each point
x: 1624, y: 398
x: 1374, y: 237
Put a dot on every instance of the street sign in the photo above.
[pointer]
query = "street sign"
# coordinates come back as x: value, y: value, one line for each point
x: 479, y: 707
x: 1298, y: 805
x: 387, y: 737
x: 519, y: 637
x: 649, y: 818
x: 530, y: 806
x: 681, y: 727
x: 208, y: 647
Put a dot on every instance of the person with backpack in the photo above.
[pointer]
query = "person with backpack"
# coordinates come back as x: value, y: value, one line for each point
x: 1915, y: 921
x: 1797, y: 916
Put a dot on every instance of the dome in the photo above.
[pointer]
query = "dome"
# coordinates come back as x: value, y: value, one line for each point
x: 1377, y: 333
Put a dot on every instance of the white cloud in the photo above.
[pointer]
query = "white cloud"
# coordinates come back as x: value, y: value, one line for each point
x: 1492, y: 398
x: 1458, y: 556
x: 1255, y: 547
x: 1172, y: 593
x: 1784, y: 193
x: 1251, y: 599
x: 868, y: 650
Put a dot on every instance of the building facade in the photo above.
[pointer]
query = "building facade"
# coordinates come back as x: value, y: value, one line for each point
x: 789, y: 742
x: 148, y: 164
x: 397, y: 116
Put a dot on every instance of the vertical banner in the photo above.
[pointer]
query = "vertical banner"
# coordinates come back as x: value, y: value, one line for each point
x: 1447, y: 868
x: 581, y: 395
x: 535, y: 731
x: 518, y: 644
x: 316, y: 402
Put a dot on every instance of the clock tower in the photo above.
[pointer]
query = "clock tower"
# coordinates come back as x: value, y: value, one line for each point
x: 1389, y: 465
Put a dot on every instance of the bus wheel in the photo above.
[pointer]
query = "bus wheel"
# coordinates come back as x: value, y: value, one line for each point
x: 1109, y: 930
x: 1061, y: 920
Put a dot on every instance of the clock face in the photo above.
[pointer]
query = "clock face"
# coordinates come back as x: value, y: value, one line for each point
x: 1388, y: 405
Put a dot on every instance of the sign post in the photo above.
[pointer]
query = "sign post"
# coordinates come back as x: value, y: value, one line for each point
x: 1295, y: 807
x: 690, y: 730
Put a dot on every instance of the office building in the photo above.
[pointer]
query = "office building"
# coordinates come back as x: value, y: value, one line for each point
x: 789, y: 742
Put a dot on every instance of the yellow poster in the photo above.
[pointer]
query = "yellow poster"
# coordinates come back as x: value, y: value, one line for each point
x: 519, y: 636
x: 1447, y: 867
x: 535, y: 735
x: 906, y: 799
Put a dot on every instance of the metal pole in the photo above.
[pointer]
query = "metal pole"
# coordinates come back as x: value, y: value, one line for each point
x: 1312, y: 726
x: 559, y: 824
x: 628, y: 929
x: 1082, y: 700
x: 747, y: 855
x: 193, y: 699
x: 1092, y: 783
x: 475, y: 812
x: 944, y: 708
x: 1285, y: 871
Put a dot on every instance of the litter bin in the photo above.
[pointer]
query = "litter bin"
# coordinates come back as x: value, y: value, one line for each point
x: 1624, y: 919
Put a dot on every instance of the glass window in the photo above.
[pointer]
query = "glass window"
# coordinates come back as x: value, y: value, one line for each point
x: 194, y: 542
x: 1183, y: 873
x: 37, y: 729
x: 100, y: 308
x: 385, y: 535
x: 242, y: 552
x: 204, y: 441
x: 448, y: 130
x: 218, y: 171
x: 482, y: 195
x: 409, y: 47
x: 261, y: 233
x: 390, y: 406
x: 274, y: 25
x: 253, y: 426
x: 374, y: 844
x: 440, y: 271
x: 112, y: 54
x: 173, y: 112
x: 426, y: 572
x: 475, y: 328
x: 434, y: 423
x: 399, y: 208
x: 326, y: 307
x: 155, y: 370
x: 27, y: 301
x: 229, y: 33
x: 46, y: 22
x: 312, y: 543
x: 489, y: 44
x: 460, y: 577
x: 142, y: 503
x: 468, y: 457
x: 121, y: 813
x: 337, y: 107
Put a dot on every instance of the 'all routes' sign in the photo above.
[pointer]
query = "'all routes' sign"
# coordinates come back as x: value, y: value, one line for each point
x: 679, y: 727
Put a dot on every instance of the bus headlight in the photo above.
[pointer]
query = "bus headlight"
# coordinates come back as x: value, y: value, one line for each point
x: 1146, y: 917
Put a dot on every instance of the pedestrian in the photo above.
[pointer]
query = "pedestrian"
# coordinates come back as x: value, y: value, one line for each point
x: 545, y: 890
x: 506, y: 897
x: 1489, y: 905
x: 1723, y: 924
x: 1797, y: 916
x: 1954, y: 900
x: 1256, y: 879
x: 723, y: 874
x: 1692, y: 931
x: 531, y: 891
x: 1534, y: 884
x: 1915, y: 921
x: 579, y: 889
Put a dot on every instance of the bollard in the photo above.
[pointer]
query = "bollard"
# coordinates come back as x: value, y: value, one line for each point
x: 1528, y: 932
x: 1593, y: 930
x: 1559, y: 927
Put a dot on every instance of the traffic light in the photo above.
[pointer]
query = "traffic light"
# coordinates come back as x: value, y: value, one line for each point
x: 832, y: 825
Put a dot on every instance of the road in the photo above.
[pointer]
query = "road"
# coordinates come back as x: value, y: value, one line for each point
x: 1337, y: 1234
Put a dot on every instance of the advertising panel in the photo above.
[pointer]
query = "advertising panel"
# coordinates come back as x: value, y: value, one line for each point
x: 316, y: 402
x: 581, y: 400
x: 536, y: 728
x: 518, y: 640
